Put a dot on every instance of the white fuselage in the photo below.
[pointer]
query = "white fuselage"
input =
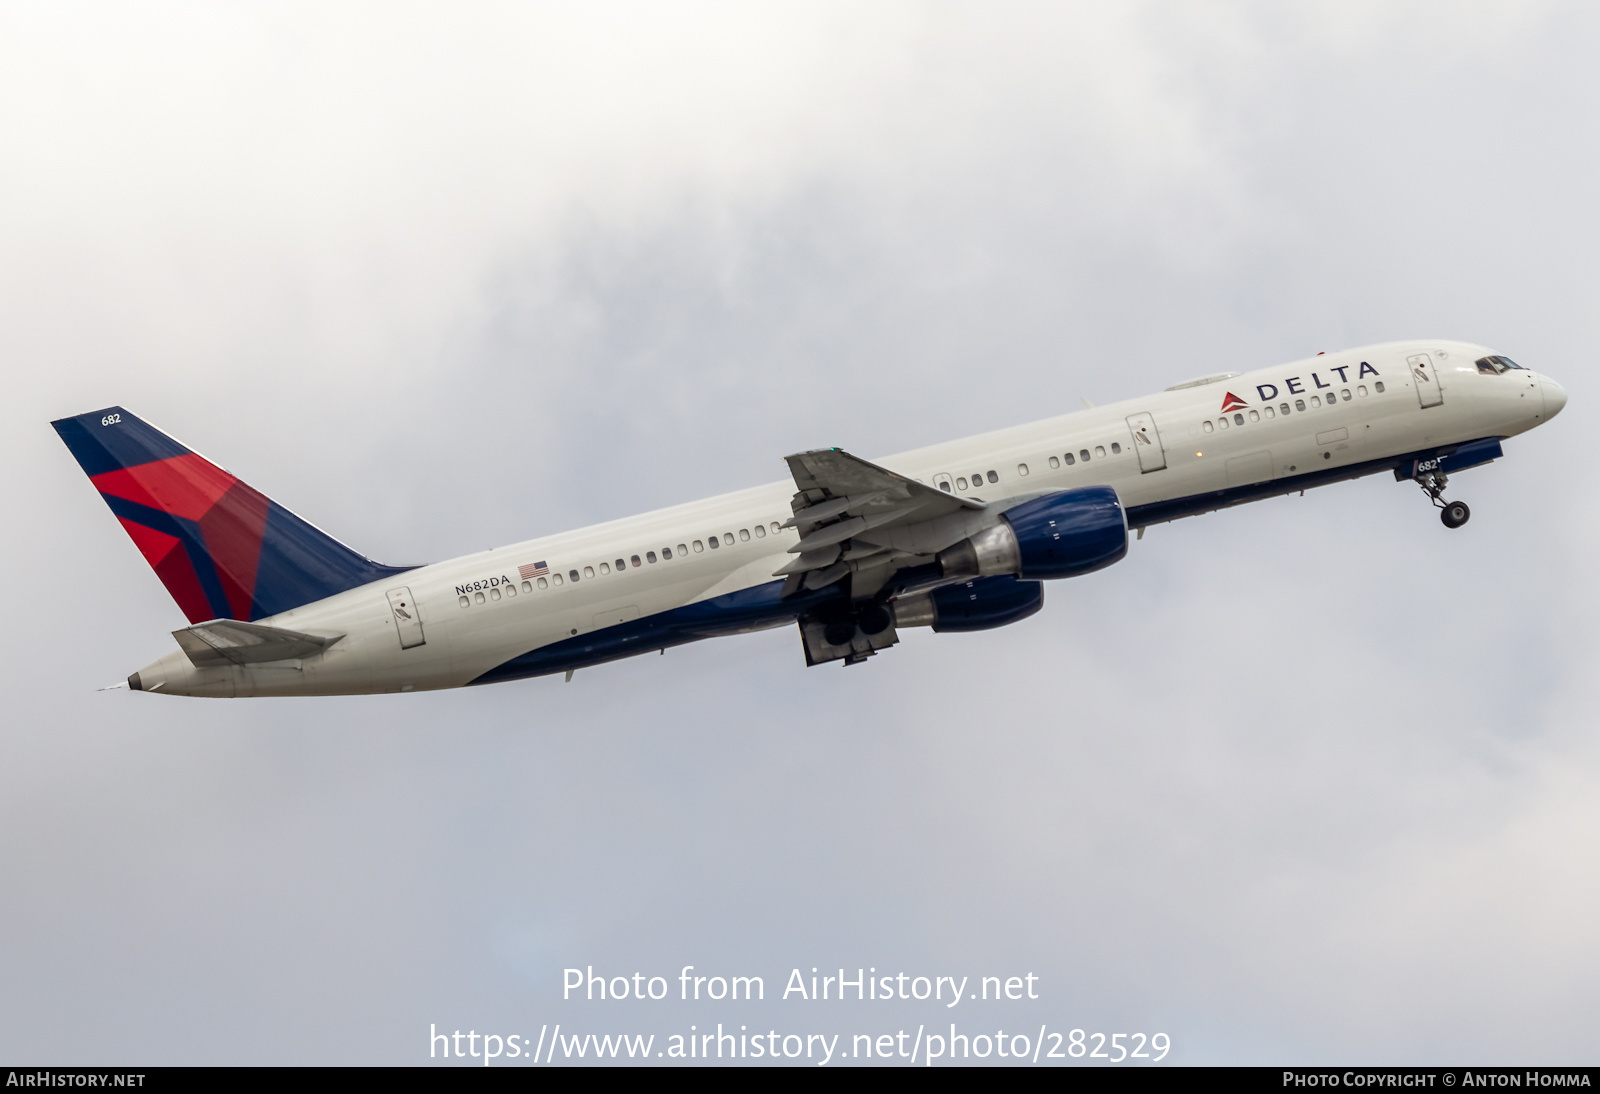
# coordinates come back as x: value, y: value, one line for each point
x: 483, y: 610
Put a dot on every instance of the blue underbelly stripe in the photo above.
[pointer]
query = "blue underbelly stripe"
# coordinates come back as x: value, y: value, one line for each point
x: 755, y: 608
x: 762, y: 606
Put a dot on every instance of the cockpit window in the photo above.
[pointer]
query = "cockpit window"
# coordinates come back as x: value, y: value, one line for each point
x: 1491, y: 366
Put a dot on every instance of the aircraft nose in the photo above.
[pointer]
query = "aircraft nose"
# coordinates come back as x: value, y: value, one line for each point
x: 1555, y: 397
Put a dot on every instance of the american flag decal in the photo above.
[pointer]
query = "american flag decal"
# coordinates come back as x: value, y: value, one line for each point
x: 537, y: 569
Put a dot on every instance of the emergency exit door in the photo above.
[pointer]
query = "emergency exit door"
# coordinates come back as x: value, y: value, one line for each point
x: 1425, y: 379
x: 1147, y: 442
x: 406, y: 620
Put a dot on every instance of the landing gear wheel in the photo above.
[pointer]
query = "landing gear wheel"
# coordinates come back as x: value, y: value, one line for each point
x: 875, y: 619
x: 1455, y: 514
x: 840, y: 632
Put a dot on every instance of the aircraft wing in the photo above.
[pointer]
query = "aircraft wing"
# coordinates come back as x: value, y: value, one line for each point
x: 843, y: 499
x: 225, y: 641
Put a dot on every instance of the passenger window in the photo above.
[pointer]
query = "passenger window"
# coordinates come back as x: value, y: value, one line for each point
x: 1083, y: 454
x: 698, y: 547
x: 572, y: 576
x: 1070, y: 458
x: 526, y: 587
x: 511, y: 590
x: 494, y: 594
x: 465, y: 602
x: 1316, y: 400
x: 945, y: 486
x: 1254, y: 417
x: 761, y: 531
x: 634, y: 559
x: 994, y: 476
x: 744, y: 534
x: 714, y: 542
x: 1283, y: 408
x: 621, y: 565
x: 776, y: 527
x: 556, y: 578
x: 682, y: 550
x: 666, y: 553
x: 1207, y: 426
x: 1022, y: 469
x: 1222, y: 423
x: 1299, y: 404
x: 605, y: 568
x: 543, y: 584
x: 961, y: 483
x: 478, y: 597
x: 977, y: 480
x: 1267, y: 410
x: 727, y: 538
x: 1345, y: 395
x: 1238, y: 419
x: 1055, y: 464
x: 588, y: 571
x: 1116, y: 449
x: 1100, y: 450
x: 1378, y: 386
x: 1362, y: 391
x: 650, y: 557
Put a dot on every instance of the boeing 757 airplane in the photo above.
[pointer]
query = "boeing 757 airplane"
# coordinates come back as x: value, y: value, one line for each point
x: 957, y: 537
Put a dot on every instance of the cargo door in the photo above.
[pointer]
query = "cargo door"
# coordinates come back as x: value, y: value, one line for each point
x: 406, y: 619
x: 1425, y: 379
x: 1147, y: 442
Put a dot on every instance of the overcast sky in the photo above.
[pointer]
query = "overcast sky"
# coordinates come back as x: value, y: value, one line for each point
x: 1315, y: 780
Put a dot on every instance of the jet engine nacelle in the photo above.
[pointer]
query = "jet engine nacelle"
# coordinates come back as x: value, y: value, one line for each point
x: 1059, y: 535
x: 976, y: 605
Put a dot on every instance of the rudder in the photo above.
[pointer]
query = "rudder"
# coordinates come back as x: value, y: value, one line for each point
x: 223, y: 549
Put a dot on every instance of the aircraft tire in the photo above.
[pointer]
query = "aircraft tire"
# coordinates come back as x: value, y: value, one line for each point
x: 840, y: 632
x: 875, y: 620
x: 1455, y: 514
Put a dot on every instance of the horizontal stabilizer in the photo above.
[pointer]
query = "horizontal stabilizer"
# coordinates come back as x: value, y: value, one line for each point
x: 231, y: 641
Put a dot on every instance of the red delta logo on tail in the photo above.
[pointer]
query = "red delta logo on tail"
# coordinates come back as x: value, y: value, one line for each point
x: 1230, y: 401
x: 222, y: 549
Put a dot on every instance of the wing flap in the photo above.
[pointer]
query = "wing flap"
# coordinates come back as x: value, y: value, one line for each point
x: 841, y: 496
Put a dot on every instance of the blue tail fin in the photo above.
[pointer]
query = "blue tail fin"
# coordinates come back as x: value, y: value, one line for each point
x: 222, y: 549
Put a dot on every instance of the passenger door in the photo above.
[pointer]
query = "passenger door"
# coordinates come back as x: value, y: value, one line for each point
x: 1426, y: 380
x: 1147, y: 442
x: 406, y: 619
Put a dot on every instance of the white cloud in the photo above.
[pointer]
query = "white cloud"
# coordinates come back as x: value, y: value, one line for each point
x: 1303, y: 778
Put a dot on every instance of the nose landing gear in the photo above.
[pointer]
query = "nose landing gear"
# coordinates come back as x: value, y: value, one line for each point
x: 1452, y: 514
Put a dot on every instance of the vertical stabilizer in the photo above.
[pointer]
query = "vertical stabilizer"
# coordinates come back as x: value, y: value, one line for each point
x: 222, y: 549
